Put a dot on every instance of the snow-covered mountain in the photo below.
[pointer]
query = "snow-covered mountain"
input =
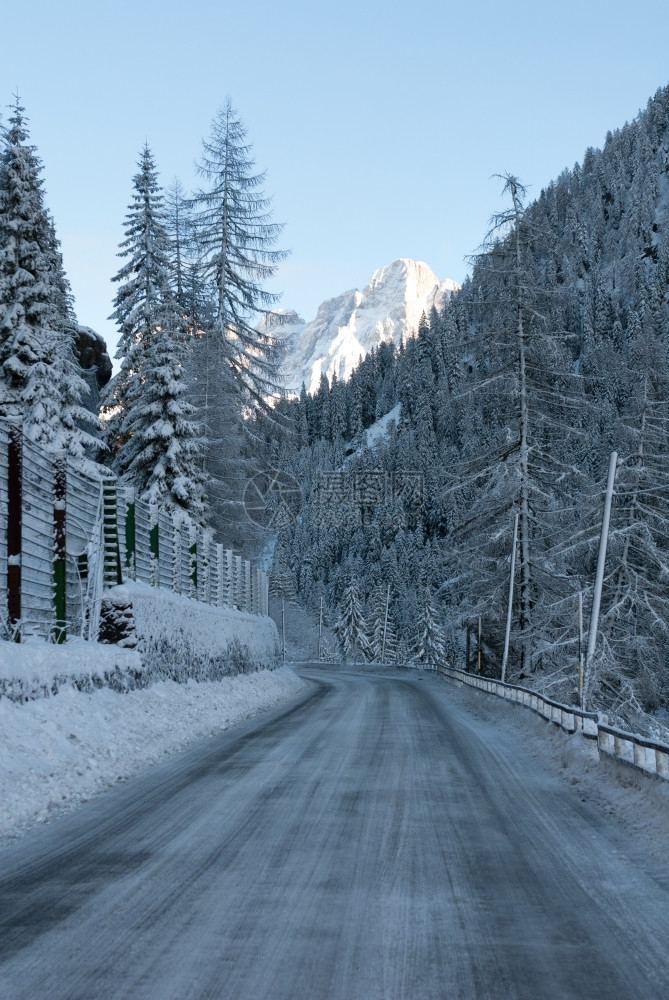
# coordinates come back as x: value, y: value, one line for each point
x: 348, y: 326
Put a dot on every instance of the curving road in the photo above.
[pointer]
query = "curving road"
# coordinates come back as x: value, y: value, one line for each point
x: 368, y: 841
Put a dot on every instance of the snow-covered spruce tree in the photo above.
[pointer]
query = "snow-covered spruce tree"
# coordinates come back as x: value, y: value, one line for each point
x: 350, y: 627
x: 163, y: 440
x: 40, y: 382
x: 144, y: 287
x: 383, y: 639
x: 429, y: 645
x: 153, y: 440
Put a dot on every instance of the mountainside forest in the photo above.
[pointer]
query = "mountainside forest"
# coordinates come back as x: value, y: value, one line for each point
x: 497, y: 419
x: 510, y: 401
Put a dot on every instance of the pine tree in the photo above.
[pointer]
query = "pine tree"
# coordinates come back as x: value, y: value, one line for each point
x: 236, y: 237
x: 144, y: 288
x: 350, y: 627
x: 164, y: 446
x: 527, y: 415
x: 429, y: 645
x: 150, y: 431
x: 236, y: 353
x: 178, y: 225
x: 383, y: 635
x: 40, y: 381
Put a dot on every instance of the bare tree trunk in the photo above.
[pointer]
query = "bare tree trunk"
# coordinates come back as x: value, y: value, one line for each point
x: 524, y: 522
x: 621, y: 575
x: 525, y: 593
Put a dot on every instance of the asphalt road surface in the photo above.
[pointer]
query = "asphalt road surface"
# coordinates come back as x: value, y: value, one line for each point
x: 370, y: 840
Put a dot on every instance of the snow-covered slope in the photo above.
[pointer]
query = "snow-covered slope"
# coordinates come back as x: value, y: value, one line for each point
x: 346, y: 327
x: 379, y: 429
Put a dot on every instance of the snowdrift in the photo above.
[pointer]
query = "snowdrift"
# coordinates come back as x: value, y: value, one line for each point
x: 174, y: 638
x: 58, y: 752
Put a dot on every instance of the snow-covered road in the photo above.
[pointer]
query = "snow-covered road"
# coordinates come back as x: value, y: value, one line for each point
x: 372, y: 839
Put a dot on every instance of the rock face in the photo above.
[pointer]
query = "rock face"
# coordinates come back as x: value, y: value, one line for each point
x: 348, y: 326
x: 91, y: 352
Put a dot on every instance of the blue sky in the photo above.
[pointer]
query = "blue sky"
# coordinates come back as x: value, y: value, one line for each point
x: 379, y: 124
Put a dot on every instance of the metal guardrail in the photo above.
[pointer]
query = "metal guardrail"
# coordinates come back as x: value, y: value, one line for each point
x: 647, y: 755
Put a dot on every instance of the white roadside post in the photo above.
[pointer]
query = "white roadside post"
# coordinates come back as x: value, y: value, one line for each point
x: 599, y: 578
x: 505, y: 657
x: 580, y: 648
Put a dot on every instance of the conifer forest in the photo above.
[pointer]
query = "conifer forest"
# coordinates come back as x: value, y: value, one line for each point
x: 481, y: 443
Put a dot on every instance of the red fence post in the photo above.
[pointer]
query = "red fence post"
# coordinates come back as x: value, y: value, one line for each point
x: 14, y: 521
x: 59, y: 556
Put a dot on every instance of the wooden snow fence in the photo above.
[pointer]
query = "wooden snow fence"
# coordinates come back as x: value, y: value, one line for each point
x: 66, y: 536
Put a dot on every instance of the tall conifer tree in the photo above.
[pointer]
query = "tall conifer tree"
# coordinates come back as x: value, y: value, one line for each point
x: 40, y: 382
x: 150, y: 431
x: 429, y: 645
x: 236, y: 353
x: 236, y: 240
x: 350, y: 627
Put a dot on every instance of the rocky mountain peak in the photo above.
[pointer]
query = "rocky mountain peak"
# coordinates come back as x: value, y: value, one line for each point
x: 348, y: 326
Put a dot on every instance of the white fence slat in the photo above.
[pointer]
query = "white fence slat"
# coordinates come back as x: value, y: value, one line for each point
x: 165, y: 551
x: 142, y: 549
x: 37, y: 586
x: 229, y: 592
x: 82, y: 545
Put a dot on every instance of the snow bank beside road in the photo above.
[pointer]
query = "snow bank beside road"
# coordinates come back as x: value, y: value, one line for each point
x: 37, y: 669
x: 75, y: 718
x: 177, y: 639
x: 58, y: 752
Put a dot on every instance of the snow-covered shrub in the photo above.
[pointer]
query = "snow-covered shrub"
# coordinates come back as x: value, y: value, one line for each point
x: 208, y: 642
x: 176, y: 658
